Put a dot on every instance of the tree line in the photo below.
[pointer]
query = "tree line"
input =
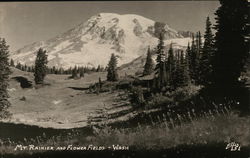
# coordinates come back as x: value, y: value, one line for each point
x: 177, y: 68
x: 217, y: 62
x: 60, y: 70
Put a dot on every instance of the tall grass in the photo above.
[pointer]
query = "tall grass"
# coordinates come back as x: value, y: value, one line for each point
x: 222, y: 128
x: 164, y: 134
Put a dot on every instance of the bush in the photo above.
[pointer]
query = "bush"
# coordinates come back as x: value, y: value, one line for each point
x: 124, y: 84
x: 172, y: 98
x: 183, y: 93
x: 159, y: 100
x: 136, y: 96
x: 23, y: 98
x: 104, y: 86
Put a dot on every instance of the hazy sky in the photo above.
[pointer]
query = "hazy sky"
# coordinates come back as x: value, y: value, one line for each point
x: 22, y: 23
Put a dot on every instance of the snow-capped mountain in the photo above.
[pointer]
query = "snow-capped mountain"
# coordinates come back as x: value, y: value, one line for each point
x: 92, y: 42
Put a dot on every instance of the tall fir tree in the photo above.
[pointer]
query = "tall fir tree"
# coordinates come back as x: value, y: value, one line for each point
x: 188, y: 62
x: 149, y: 65
x: 206, y: 55
x: 74, y: 72
x: 182, y: 71
x: 194, y: 57
x: 18, y: 66
x: 112, y: 69
x: 12, y: 63
x: 40, y: 66
x: 161, y: 64
x: 171, y: 67
x: 198, y: 56
x: 81, y: 74
x: 198, y: 43
x: 98, y: 69
x: 192, y: 60
x: 188, y: 56
x: 178, y: 71
x: 4, y: 78
x: 231, y: 44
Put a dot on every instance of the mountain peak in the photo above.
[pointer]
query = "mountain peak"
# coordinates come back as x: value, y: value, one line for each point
x: 92, y: 42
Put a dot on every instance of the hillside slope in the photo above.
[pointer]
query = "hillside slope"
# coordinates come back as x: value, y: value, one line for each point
x: 62, y: 103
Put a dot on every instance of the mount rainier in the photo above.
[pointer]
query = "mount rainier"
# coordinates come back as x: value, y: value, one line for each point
x: 92, y: 42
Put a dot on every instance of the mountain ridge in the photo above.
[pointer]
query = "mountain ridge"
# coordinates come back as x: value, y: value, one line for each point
x: 91, y: 43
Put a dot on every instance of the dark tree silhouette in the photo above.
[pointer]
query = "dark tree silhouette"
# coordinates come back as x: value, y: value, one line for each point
x: 40, y: 66
x: 112, y: 69
x: 231, y: 44
x: 149, y: 65
x: 81, y: 72
x: 171, y: 66
x: 194, y: 57
x: 161, y: 64
x: 193, y: 60
x: 12, y: 63
x: 206, y: 55
x: 74, y: 72
x: 182, y: 71
x: 4, y: 77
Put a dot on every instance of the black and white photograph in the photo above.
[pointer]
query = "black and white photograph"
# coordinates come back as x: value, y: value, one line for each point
x: 125, y: 79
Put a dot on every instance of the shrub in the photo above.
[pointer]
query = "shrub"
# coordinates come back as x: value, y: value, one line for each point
x: 136, y: 96
x: 159, y: 100
x: 124, y: 84
x: 183, y: 93
x: 170, y: 98
x: 23, y: 98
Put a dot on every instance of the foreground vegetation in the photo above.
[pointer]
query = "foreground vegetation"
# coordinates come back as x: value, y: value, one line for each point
x: 211, y: 129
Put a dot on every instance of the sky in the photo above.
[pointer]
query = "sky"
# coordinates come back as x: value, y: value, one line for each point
x: 23, y: 23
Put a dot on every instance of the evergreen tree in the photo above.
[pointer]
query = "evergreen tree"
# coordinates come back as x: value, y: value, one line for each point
x: 171, y: 67
x: 32, y: 69
x: 188, y: 57
x: 60, y: 71
x: 192, y: 60
x: 12, y: 63
x: 29, y: 69
x: 98, y: 68
x: 112, y: 69
x: 19, y: 66
x: 149, y: 65
x: 206, y: 55
x: 81, y: 72
x: 40, y: 66
x: 74, y: 72
x: 22, y: 68
x: 184, y: 75
x: 161, y: 64
x: 198, y: 56
x: 231, y: 44
x: 53, y: 70
x: 25, y: 67
x: 193, y: 56
x: 4, y: 77
x: 100, y: 83
x: 177, y: 75
x: 93, y: 69
x: 198, y: 43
